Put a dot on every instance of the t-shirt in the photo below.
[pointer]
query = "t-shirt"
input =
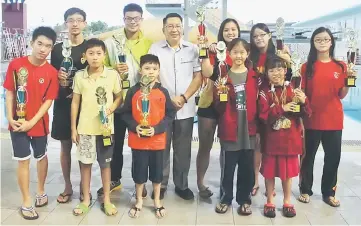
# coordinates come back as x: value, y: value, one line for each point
x: 76, y: 55
x: 243, y: 139
x: 322, y: 90
x: 42, y: 84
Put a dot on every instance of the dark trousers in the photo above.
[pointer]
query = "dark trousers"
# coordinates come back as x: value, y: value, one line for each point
x: 245, y: 176
x: 331, y: 143
x: 116, y: 164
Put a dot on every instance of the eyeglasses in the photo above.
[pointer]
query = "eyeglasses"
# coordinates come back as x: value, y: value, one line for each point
x: 130, y: 19
x: 325, y: 40
x: 260, y: 36
x: 171, y: 27
x: 75, y: 21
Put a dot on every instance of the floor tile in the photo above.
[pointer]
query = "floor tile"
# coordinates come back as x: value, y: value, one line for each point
x: 61, y: 218
x: 16, y: 219
x: 335, y: 219
x: 256, y: 218
x: 5, y: 213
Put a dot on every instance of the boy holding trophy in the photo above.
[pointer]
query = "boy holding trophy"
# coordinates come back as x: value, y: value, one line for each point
x: 98, y: 90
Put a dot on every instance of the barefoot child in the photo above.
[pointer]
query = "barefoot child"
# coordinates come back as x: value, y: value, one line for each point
x: 148, y: 110
x: 98, y: 90
x: 237, y: 127
x: 283, y: 141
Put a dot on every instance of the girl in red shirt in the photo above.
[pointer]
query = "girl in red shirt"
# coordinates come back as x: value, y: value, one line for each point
x: 282, y: 133
x: 323, y: 81
x: 207, y: 115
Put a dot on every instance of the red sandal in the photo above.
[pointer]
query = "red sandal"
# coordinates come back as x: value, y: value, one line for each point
x: 269, y: 210
x: 288, y: 210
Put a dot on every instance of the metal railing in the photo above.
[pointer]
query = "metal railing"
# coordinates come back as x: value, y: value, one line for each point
x: 13, y: 43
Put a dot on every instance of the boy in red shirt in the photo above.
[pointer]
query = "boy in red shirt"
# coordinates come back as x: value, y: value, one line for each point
x: 148, y: 110
x: 31, y: 85
x: 282, y: 135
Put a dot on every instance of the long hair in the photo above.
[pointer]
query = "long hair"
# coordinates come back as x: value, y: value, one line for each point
x: 254, y: 54
x: 312, y: 55
x: 221, y: 28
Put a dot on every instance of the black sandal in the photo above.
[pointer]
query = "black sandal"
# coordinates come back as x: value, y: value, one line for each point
x: 64, y: 195
x: 245, y: 209
x: 289, y: 210
x: 269, y: 210
x: 136, y: 212
x: 221, y: 208
x: 205, y: 193
x: 158, y: 212
x: 30, y: 210
x: 39, y: 198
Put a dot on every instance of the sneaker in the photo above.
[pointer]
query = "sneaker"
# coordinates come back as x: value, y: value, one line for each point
x: 185, y: 194
x: 114, y: 185
x: 161, y: 196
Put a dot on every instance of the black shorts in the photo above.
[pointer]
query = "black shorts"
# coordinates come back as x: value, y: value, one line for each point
x: 21, y: 146
x: 208, y: 112
x: 144, y: 159
x: 61, y: 127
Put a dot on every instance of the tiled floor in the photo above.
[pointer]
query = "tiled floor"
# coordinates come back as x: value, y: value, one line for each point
x: 180, y: 212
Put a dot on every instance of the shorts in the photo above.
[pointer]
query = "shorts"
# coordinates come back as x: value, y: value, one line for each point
x: 21, y: 146
x: 61, y: 127
x: 144, y: 159
x: 208, y: 112
x: 284, y: 167
x: 91, y: 148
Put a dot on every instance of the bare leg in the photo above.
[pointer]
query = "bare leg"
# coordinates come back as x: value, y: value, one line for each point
x: 159, y: 209
x: 105, y: 172
x: 42, y: 167
x: 65, y: 161
x: 24, y: 180
x: 257, y: 165
x: 270, y: 186
x: 85, y: 182
x: 134, y: 211
x: 287, y: 186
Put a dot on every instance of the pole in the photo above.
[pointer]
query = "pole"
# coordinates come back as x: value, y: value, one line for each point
x: 186, y: 19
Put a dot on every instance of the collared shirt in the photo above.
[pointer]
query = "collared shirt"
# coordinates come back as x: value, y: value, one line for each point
x: 89, y: 119
x: 176, y: 71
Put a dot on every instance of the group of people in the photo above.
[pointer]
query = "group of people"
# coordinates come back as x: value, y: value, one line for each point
x: 265, y: 122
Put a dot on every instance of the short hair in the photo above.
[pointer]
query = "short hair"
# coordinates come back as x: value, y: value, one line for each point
x: 94, y: 42
x: 45, y: 31
x: 73, y: 11
x: 171, y: 15
x: 132, y: 7
x: 149, y: 58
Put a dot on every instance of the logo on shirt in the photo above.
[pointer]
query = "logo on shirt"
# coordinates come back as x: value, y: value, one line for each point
x: 336, y: 74
x: 41, y: 80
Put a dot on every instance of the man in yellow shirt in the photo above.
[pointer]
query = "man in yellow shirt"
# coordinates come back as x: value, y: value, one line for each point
x: 133, y: 45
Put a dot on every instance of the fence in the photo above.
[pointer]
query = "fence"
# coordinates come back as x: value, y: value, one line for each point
x: 13, y: 43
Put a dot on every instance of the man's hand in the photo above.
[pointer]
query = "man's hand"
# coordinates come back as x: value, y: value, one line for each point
x: 14, y: 124
x: 75, y: 136
x: 178, y: 102
x: 62, y: 75
x: 25, y: 126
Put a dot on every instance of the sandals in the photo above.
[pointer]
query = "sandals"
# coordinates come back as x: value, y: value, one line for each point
x: 205, y: 193
x: 221, y: 208
x: 255, y: 191
x: 108, y: 209
x: 269, y: 210
x: 160, y: 212
x: 331, y: 201
x: 304, y: 198
x: 135, y: 213
x: 288, y: 210
x: 84, y: 209
x: 65, y: 198
x: 39, y: 199
x: 31, y: 210
x: 81, y: 197
x: 245, y: 209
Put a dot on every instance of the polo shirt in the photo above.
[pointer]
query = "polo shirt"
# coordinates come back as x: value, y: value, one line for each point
x: 89, y: 118
x: 42, y: 84
x: 176, y: 71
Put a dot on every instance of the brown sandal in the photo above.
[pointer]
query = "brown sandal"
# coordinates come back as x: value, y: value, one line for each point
x: 331, y: 201
x: 245, y: 210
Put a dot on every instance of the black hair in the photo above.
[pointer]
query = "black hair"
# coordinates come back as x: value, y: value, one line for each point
x: 255, y: 53
x: 246, y: 46
x: 149, y: 58
x: 132, y: 7
x: 73, y: 11
x: 45, y: 31
x: 274, y: 61
x: 171, y: 15
x: 312, y: 55
x: 94, y: 42
x: 221, y: 28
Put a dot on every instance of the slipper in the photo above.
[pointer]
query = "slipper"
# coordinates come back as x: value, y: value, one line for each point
x: 288, y: 210
x: 64, y: 195
x: 205, y: 193
x: 31, y: 210
x: 136, y: 212
x: 221, y: 208
x: 158, y: 212
x: 269, y: 210
x: 39, y: 199
x: 107, y: 209
x: 304, y: 198
x: 331, y: 201
x: 245, y: 210
x: 84, y: 209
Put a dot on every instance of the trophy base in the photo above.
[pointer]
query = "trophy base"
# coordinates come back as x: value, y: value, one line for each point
x: 350, y: 82
x: 125, y: 84
x: 223, y: 97
x: 144, y: 128
x: 22, y: 119
x: 297, y: 108
x: 203, y: 53
x: 107, y: 141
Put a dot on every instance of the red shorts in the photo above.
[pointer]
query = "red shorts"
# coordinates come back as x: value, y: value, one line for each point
x: 283, y: 167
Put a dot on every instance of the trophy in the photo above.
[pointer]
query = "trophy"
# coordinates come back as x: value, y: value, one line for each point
x: 296, y: 78
x: 20, y: 82
x: 351, y: 35
x: 120, y: 44
x: 67, y: 63
x: 223, y: 72
x: 106, y: 129
x: 203, y: 50
x: 145, y: 82
x: 280, y: 26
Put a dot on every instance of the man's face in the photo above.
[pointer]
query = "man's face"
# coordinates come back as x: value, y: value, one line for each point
x: 95, y: 56
x: 132, y: 21
x: 75, y: 24
x: 41, y: 47
x: 173, y: 29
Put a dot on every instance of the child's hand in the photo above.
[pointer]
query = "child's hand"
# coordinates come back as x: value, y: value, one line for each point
x: 108, y: 112
x: 150, y: 132
x: 75, y: 137
x: 15, y: 125
x: 290, y: 107
x: 300, y: 95
x: 25, y: 126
